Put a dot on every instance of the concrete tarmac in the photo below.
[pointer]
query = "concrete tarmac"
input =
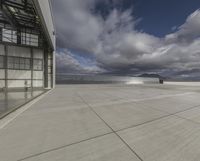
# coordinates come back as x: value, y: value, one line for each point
x: 112, y: 122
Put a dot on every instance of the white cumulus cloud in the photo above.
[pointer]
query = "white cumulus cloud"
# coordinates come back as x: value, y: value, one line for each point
x: 116, y: 44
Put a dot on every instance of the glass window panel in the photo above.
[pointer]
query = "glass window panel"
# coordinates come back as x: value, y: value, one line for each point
x: 29, y: 39
x: 19, y: 63
x: 9, y: 35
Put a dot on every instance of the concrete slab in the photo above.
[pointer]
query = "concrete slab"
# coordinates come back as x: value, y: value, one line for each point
x: 94, y: 98
x: 39, y: 130
x: 64, y: 126
x: 188, y: 99
x: 105, y: 148
x: 124, y: 115
x: 171, y: 104
x: 167, y: 139
x: 60, y: 99
x: 192, y: 114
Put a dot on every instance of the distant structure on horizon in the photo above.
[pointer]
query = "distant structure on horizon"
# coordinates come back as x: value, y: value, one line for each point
x: 104, y: 79
x: 27, y: 45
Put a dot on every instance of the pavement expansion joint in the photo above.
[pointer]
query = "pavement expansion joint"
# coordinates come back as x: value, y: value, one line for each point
x: 135, y: 153
x: 62, y: 147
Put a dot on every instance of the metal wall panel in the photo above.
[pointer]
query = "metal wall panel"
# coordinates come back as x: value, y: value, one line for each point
x: 19, y: 51
x: 2, y: 50
x: 2, y: 84
x: 38, y: 74
x: 38, y: 53
x: 38, y: 83
x: 2, y: 74
x: 19, y: 74
x: 18, y: 83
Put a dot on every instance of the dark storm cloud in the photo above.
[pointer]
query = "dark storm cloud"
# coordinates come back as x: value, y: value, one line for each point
x: 116, y: 44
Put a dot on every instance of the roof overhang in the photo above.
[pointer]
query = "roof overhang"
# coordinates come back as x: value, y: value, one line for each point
x: 44, y: 10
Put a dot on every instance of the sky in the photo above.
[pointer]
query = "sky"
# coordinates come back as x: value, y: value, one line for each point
x: 128, y: 37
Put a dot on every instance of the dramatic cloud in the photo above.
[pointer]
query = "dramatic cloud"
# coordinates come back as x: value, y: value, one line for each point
x: 187, y: 32
x: 75, y: 25
x: 66, y: 63
x: 117, y: 45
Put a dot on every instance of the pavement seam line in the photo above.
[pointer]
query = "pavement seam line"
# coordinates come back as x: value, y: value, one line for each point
x: 127, y: 145
x: 189, y: 120
x: 62, y: 147
x: 146, y: 99
x: 159, y: 118
x: 115, y: 132
x: 176, y: 113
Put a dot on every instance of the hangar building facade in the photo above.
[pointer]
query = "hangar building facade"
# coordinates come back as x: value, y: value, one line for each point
x: 27, y: 45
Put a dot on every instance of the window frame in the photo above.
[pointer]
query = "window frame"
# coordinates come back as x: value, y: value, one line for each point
x: 15, y: 63
x: 9, y: 35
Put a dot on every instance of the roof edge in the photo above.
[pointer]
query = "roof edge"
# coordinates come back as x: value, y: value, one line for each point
x: 50, y: 33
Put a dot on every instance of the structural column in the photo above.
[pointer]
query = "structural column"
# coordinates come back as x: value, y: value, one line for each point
x: 31, y: 70
x: 6, y: 67
x: 6, y: 76
x: 45, y: 68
